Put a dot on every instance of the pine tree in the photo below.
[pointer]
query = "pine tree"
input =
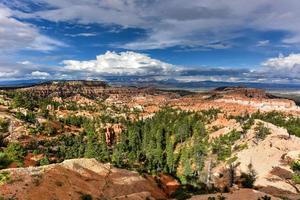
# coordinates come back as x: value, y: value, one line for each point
x: 116, y: 157
x: 90, y: 146
x: 159, y: 150
x: 170, y: 154
x: 185, y: 161
x: 103, y: 151
x: 134, y: 142
x: 199, y: 147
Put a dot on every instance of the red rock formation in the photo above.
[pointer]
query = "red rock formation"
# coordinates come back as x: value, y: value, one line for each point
x: 109, y: 136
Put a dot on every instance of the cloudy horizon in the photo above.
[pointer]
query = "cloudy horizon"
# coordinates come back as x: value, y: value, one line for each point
x: 202, y: 40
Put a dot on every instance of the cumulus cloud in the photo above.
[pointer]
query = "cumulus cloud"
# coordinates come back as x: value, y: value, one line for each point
x: 128, y: 66
x: 279, y: 69
x: 283, y: 66
x: 28, y: 69
x: 39, y: 74
x: 282, y: 62
x: 124, y: 63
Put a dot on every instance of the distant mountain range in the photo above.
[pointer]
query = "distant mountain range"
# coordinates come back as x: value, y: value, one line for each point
x: 172, y: 84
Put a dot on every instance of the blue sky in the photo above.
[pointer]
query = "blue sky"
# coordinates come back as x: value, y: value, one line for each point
x: 256, y: 41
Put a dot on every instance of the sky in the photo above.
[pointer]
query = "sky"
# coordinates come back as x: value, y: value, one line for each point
x: 179, y: 40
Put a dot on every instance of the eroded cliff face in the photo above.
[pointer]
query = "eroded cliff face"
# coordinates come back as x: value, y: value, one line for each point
x: 94, y: 90
x: 67, y: 88
x: 234, y: 100
x: 254, y: 98
x: 241, y: 92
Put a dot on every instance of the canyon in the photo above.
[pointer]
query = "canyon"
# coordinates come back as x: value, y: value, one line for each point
x: 227, y: 111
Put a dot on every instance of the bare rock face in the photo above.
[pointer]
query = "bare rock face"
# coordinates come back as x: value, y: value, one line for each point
x: 242, y: 91
x: 78, y: 178
x: 291, y: 156
x: 256, y: 99
x: 270, y: 159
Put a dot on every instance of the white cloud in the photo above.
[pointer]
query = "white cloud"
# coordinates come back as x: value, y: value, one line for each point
x: 290, y: 62
x: 124, y: 63
x: 38, y: 74
x: 263, y: 43
x: 85, y: 12
x: 82, y: 35
x: 141, y: 67
x: 8, y: 74
x: 25, y: 62
x: 16, y: 35
x: 280, y: 69
x: 197, y: 23
x: 45, y: 43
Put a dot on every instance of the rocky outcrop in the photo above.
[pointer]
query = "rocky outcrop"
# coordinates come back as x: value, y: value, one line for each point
x: 75, y: 179
x: 265, y: 105
x: 270, y: 159
x: 242, y: 92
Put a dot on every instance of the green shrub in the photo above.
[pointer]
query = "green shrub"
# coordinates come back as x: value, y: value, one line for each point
x: 241, y: 147
x: 219, y: 197
x: 8, y: 198
x: 248, y: 178
x: 75, y: 120
x: 261, y: 131
x: 266, y: 197
x: 4, y: 124
x: 222, y: 145
x: 295, y: 166
x: 16, y: 153
x: 72, y: 106
x: 4, y: 177
x: 86, y: 197
x: 29, y: 117
x: 24, y: 100
x: 291, y: 123
x: 247, y: 125
x: 232, y: 160
x: 44, y: 161
x: 50, y: 129
x: 296, y: 178
x: 4, y: 160
x: 35, y: 152
x: 181, y: 194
